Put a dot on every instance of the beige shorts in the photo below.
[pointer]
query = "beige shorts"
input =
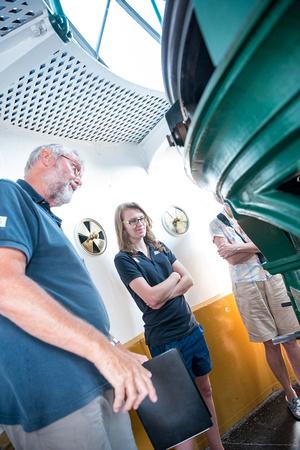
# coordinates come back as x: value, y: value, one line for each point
x: 259, y: 304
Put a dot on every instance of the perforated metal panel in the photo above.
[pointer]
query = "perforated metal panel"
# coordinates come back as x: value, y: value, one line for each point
x: 71, y: 95
x: 14, y: 13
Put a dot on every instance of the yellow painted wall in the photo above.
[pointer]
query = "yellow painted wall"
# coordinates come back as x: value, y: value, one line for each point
x: 240, y: 378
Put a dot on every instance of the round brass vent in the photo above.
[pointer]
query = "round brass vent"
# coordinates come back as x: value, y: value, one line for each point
x: 91, y: 237
x: 175, y: 221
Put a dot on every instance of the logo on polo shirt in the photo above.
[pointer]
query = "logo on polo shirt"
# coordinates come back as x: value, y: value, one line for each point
x: 3, y: 220
x: 136, y: 259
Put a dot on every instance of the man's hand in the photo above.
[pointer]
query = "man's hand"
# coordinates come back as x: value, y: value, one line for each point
x: 128, y: 377
x: 31, y: 308
x: 226, y: 250
x: 137, y: 356
x: 235, y: 253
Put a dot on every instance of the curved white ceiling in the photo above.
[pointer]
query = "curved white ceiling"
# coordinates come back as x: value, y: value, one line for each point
x: 56, y: 88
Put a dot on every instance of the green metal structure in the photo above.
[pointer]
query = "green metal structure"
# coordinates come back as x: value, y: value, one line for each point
x: 240, y: 128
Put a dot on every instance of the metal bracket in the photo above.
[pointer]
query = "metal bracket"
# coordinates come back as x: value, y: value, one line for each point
x: 286, y: 337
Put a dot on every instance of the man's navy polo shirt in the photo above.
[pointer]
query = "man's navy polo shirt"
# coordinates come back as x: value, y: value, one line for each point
x: 174, y: 320
x: 40, y: 383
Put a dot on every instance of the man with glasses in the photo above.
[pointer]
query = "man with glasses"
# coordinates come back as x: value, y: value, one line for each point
x: 57, y: 363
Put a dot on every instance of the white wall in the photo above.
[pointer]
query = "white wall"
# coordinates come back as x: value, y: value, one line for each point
x: 115, y: 174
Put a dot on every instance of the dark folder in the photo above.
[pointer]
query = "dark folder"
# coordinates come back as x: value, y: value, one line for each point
x: 180, y: 412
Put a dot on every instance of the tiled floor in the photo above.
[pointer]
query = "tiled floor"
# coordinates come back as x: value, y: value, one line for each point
x: 270, y: 426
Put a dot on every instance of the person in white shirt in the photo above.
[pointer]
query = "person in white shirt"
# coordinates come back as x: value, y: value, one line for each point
x: 259, y: 297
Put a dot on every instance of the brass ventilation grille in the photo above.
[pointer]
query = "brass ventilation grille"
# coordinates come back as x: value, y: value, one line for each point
x: 91, y: 237
x: 175, y: 221
x: 69, y: 94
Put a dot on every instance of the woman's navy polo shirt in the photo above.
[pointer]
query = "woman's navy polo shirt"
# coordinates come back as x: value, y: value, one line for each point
x: 40, y: 383
x: 174, y: 320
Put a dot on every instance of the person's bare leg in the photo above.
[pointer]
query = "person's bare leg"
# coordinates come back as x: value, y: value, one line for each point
x: 213, y: 435
x: 292, y: 351
x: 187, y: 445
x: 277, y: 365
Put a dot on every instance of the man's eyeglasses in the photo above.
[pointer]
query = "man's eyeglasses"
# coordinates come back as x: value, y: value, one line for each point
x: 134, y: 222
x: 77, y: 166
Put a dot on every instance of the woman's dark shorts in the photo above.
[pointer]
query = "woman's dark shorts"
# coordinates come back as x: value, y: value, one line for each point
x: 194, y: 351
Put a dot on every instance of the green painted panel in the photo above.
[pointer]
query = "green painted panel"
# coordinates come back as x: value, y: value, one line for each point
x: 221, y: 22
x: 244, y: 138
